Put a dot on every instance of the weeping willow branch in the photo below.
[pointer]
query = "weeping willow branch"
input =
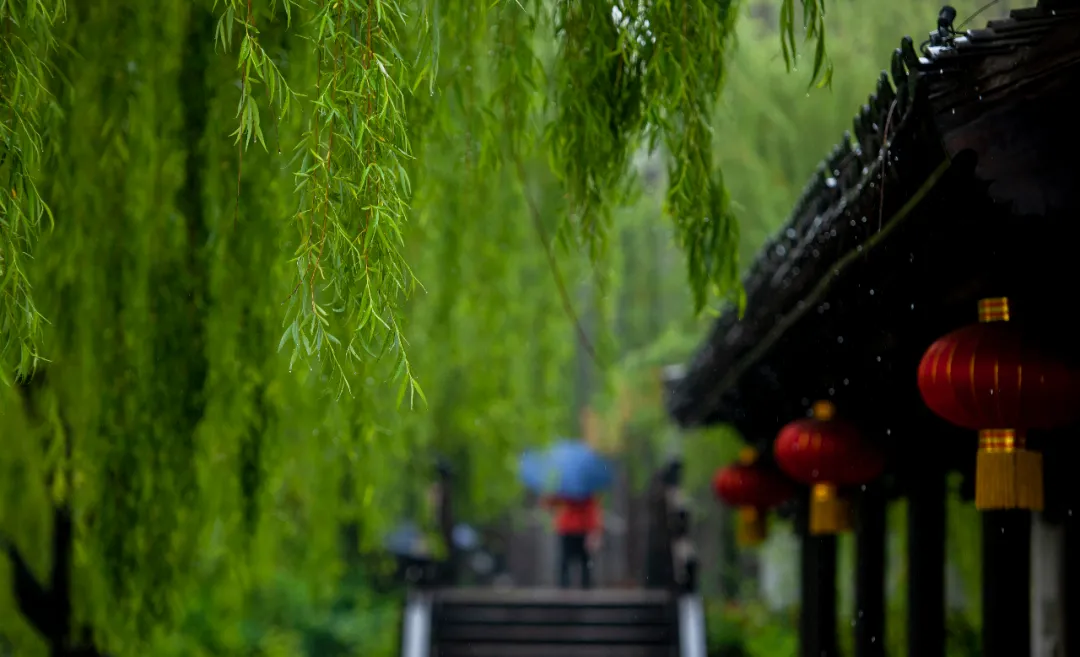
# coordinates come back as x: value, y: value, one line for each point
x: 564, y: 296
x: 821, y: 71
x: 26, y: 41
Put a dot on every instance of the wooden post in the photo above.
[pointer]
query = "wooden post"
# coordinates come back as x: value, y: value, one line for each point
x: 870, y: 573
x: 1006, y: 584
x: 1072, y: 585
x: 1048, y: 588
x: 807, y: 583
x: 825, y: 596
x: 446, y: 522
x: 817, y: 590
x: 926, y: 564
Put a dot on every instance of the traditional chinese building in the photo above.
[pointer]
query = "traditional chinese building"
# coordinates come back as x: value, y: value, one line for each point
x: 957, y: 184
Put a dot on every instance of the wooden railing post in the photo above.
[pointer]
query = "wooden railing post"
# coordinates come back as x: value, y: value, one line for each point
x: 445, y: 511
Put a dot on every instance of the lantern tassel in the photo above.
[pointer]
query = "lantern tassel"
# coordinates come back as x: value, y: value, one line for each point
x: 829, y: 513
x: 1007, y: 474
x: 752, y: 527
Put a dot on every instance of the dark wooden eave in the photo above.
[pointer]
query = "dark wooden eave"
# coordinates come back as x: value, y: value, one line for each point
x: 983, y: 144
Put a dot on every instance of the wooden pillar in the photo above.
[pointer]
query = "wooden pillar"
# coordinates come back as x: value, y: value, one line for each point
x: 1047, y: 588
x: 825, y: 596
x: 926, y: 564
x: 1006, y: 584
x: 870, y: 574
x: 817, y: 609
x: 807, y: 596
x: 1072, y: 585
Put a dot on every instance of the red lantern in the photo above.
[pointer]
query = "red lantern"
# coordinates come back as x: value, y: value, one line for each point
x: 827, y: 454
x: 754, y: 489
x: 987, y: 377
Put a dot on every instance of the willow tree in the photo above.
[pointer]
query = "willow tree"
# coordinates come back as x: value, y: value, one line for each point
x: 226, y: 226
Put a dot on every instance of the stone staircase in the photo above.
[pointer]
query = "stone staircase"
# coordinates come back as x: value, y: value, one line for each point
x: 553, y: 623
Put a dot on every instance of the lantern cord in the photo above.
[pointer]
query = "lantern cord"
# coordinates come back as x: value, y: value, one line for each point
x: 823, y: 286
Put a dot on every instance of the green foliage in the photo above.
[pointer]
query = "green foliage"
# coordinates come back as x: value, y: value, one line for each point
x: 287, y: 618
x: 748, y: 631
x: 29, y: 111
x: 257, y: 202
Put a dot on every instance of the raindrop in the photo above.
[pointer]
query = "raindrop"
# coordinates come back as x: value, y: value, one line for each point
x: 830, y: 182
x: 781, y: 250
x: 871, y: 293
x: 836, y: 172
x: 864, y: 220
x: 888, y: 432
x: 913, y: 306
x: 852, y: 222
x: 832, y: 391
x: 791, y: 233
x: 954, y: 110
x: 846, y: 381
x: 833, y: 232
x: 840, y: 339
x: 816, y: 253
x: 879, y: 359
x: 859, y: 248
x: 814, y: 473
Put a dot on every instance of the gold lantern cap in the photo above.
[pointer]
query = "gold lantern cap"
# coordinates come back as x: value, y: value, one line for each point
x: 823, y: 410
x: 994, y: 309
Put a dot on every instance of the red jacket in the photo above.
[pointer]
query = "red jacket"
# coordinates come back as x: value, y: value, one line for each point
x: 577, y: 517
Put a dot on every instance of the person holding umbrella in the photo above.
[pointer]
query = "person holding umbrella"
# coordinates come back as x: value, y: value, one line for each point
x: 568, y: 476
x: 579, y: 524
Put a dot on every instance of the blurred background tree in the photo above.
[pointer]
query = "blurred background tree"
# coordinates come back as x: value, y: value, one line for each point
x: 211, y: 454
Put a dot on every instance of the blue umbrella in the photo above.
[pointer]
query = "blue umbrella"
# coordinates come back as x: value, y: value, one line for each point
x: 569, y: 469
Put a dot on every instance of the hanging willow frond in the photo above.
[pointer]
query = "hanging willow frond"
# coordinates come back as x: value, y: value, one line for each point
x: 598, y: 99
x: 354, y: 190
x: 821, y: 71
x: 26, y: 103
